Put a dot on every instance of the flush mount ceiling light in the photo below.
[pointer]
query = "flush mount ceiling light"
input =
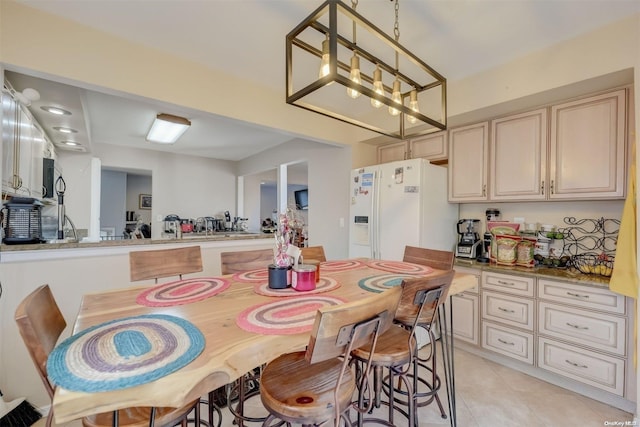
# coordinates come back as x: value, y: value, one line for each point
x: 335, y: 44
x: 166, y: 128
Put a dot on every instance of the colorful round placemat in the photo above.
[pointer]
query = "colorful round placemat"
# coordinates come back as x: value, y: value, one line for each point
x: 400, y: 267
x: 183, y: 291
x: 124, y: 353
x: 341, y: 265
x: 325, y: 284
x: 382, y: 282
x: 285, y: 316
x: 259, y: 275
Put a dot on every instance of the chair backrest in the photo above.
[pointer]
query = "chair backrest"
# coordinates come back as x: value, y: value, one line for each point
x: 235, y: 262
x: 442, y: 260
x: 421, y: 298
x: 155, y: 264
x: 351, y: 325
x: 313, y: 252
x: 40, y: 323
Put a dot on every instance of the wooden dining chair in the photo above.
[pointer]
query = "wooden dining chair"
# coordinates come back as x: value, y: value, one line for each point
x: 239, y: 261
x: 317, y: 385
x: 441, y: 260
x: 40, y: 323
x: 247, y: 386
x: 313, y: 252
x: 397, y: 351
x: 159, y: 263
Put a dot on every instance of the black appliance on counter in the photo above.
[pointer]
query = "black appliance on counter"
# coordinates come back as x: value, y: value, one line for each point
x: 22, y: 221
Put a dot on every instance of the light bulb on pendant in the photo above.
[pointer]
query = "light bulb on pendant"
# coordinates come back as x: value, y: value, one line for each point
x: 324, y: 63
x: 413, y: 105
x: 377, y: 87
x: 395, y: 97
x: 354, y: 76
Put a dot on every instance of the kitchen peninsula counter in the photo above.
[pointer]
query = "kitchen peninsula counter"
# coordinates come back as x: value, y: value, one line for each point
x: 136, y: 242
x: 566, y: 274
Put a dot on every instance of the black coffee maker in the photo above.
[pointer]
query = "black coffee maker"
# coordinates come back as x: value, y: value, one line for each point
x: 492, y: 215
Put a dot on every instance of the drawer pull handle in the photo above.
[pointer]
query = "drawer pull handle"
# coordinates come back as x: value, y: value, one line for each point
x: 506, y: 342
x: 582, y: 328
x: 506, y: 310
x: 502, y: 282
x: 577, y: 295
x: 577, y: 365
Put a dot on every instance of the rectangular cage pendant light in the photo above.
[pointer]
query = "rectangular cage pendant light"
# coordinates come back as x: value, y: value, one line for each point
x: 342, y: 66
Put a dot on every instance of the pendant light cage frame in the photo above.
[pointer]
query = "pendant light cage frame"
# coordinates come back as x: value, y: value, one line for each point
x: 335, y: 22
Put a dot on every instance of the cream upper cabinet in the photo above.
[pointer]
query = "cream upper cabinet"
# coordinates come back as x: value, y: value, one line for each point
x: 392, y: 152
x: 519, y: 156
x: 431, y: 147
x: 587, y: 149
x: 468, y: 165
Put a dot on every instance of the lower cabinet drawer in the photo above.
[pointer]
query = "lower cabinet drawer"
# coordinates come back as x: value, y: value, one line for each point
x: 594, y: 369
x: 509, y: 342
x: 598, y: 330
x: 513, y: 311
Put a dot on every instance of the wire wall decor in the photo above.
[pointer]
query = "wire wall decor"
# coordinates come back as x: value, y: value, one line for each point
x: 591, y: 243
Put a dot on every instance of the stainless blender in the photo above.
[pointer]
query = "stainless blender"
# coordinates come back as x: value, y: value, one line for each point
x: 469, y: 245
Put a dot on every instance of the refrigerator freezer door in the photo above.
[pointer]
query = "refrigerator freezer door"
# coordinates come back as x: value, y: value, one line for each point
x: 399, y: 208
x: 361, y: 214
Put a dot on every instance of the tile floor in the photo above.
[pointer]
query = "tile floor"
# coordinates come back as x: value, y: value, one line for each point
x: 491, y: 395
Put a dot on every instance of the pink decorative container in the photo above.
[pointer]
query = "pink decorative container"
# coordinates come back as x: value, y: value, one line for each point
x: 303, y: 277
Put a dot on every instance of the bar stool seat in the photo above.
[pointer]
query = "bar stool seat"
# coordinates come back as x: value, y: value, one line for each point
x: 397, y: 352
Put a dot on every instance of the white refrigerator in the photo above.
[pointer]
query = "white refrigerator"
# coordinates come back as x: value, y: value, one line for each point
x: 398, y: 204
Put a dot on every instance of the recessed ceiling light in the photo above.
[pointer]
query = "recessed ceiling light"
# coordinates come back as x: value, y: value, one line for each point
x: 71, y: 143
x: 65, y: 130
x: 55, y: 110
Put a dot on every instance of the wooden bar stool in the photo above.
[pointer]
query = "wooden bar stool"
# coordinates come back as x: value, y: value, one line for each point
x: 317, y: 385
x: 248, y: 385
x: 397, y: 352
x: 40, y: 323
x: 156, y: 264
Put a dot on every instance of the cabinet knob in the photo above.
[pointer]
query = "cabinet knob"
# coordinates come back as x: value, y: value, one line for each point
x: 484, y: 190
x: 551, y: 186
x: 542, y: 187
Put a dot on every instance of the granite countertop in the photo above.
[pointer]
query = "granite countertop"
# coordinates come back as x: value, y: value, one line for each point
x: 221, y: 236
x: 565, y: 274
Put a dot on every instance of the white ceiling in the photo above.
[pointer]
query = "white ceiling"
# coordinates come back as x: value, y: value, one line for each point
x: 246, y: 37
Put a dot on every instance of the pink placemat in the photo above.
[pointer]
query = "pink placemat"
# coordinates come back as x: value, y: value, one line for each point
x: 341, y: 265
x: 325, y: 284
x: 400, y: 267
x: 285, y: 316
x: 260, y: 275
x: 183, y: 291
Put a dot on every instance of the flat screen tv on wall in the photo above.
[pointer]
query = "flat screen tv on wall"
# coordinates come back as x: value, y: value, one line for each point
x: 302, y: 199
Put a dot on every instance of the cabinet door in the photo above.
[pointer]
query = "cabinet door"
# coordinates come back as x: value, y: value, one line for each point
x: 465, y: 317
x: 430, y: 147
x: 9, y: 124
x: 587, y: 157
x: 468, y: 155
x: 392, y: 152
x: 37, y: 153
x: 519, y: 156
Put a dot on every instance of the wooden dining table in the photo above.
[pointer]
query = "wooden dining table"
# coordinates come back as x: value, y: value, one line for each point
x: 229, y: 351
